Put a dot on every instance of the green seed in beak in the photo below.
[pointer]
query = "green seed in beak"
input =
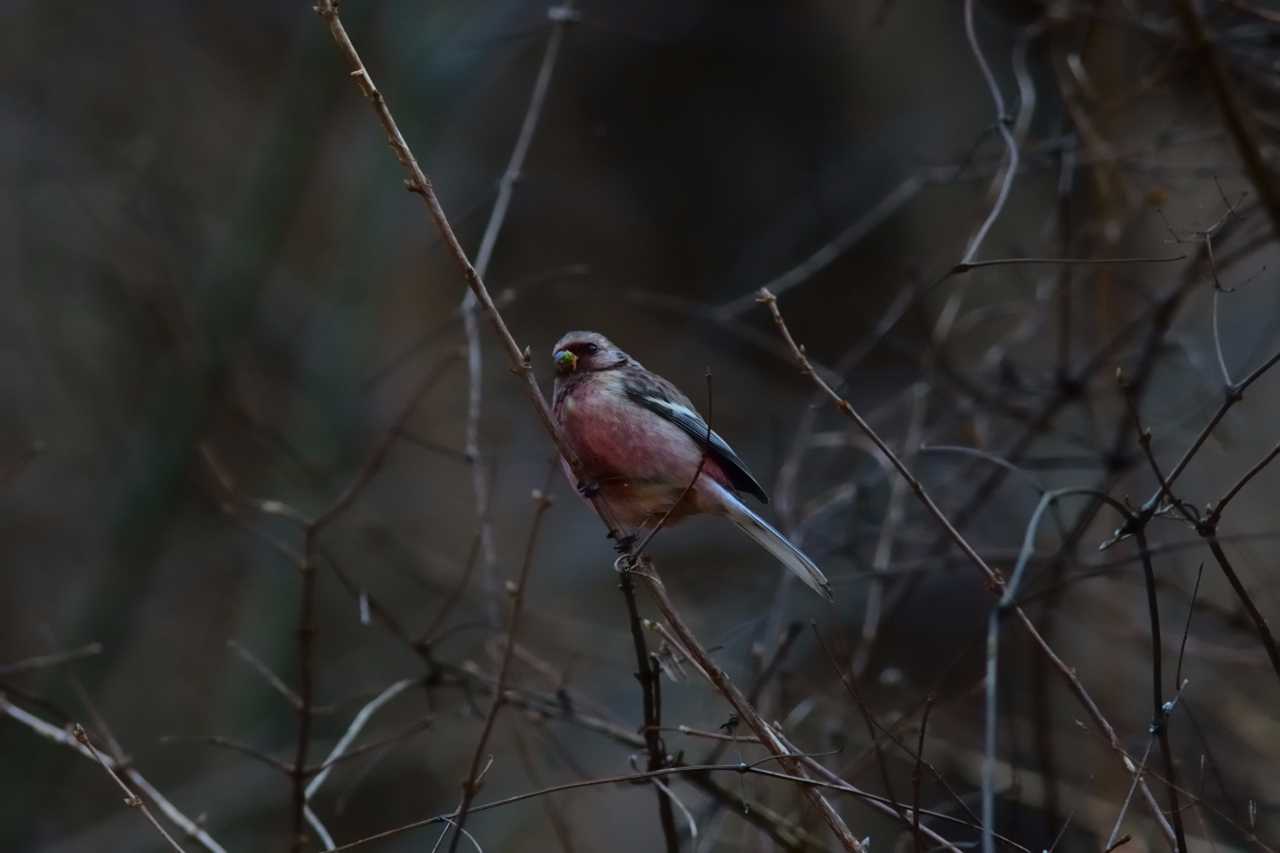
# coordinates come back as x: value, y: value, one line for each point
x: 566, y: 361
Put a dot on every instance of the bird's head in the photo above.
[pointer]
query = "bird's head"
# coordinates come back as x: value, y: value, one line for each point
x: 578, y: 352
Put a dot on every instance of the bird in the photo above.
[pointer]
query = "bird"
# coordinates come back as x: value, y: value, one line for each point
x: 640, y: 442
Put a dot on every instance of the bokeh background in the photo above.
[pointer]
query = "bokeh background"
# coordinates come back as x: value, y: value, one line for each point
x: 211, y: 265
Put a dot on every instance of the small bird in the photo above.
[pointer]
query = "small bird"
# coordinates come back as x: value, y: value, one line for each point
x: 641, y: 441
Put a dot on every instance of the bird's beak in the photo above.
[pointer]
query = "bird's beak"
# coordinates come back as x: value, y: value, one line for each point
x: 566, y: 362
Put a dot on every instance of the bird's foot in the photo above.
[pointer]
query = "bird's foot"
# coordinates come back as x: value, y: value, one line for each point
x: 623, y: 542
x: 588, y: 488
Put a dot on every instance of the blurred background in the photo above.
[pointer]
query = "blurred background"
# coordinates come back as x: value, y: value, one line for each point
x: 218, y: 290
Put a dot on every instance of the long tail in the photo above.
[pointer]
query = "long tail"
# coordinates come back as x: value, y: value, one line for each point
x: 769, y: 538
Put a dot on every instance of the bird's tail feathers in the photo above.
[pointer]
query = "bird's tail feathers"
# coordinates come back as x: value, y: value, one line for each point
x: 772, y: 541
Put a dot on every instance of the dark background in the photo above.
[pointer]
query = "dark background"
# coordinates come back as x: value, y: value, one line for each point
x: 207, y: 244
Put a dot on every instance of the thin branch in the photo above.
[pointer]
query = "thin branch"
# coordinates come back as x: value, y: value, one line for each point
x: 648, y: 776
x: 130, y: 798
x: 420, y: 725
x: 995, y: 582
x: 436, y: 626
x: 967, y: 266
x: 1004, y: 180
x: 746, y: 712
x: 916, y: 777
x: 475, y: 354
x: 1186, y: 629
x: 420, y: 184
x: 1159, y: 710
x: 856, y: 232
x: 555, y: 816
x: 305, y: 650
x: 562, y: 706
x: 48, y: 661
x: 230, y: 745
x: 651, y: 708
x: 276, y: 682
x: 358, y: 722
x: 867, y: 719
x: 471, y: 785
x: 1113, y: 840
x: 1234, y: 110
x: 1216, y: 509
x: 62, y: 736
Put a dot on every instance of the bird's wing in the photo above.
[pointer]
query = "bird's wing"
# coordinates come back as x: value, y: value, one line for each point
x: 665, y: 400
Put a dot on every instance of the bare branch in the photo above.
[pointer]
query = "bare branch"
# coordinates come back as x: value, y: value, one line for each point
x: 471, y: 785
x: 995, y: 582
x: 1003, y: 181
x: 1234, y: 110
x: 39, y: 662
x: 130, y: 798
x: 67, y: 739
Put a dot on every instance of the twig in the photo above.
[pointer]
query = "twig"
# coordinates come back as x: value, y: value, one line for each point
x: 1186, y: 629
x: 1234, y: 110
x: 232, y: 746
x: 559, y: 825
x: 312, y: 528
x: 967, y: 266
x: 991, y: 682
x: 520, y: 359
x: 1112, y: 840
x: 358, y: 722
x: 53, y: 659
x: 651, y: 708
x: 471, y: 785
x: 318, y: 827
x: 1218, y: 507
x: 856, y: 232
x: 1207, y: 528
x: 276, y: 682
x: 1003, y: 182
x: 63, y: 737
x: 418, y: 726
x: 710, y: 735
x: 893, y: 519
x: 432, y: 632
x: 852, y: 690
x: 995, y: 582
x: 130, y: 798
x: 915, y: 775
x: 887, y: 806
x: 744, y: 709
x: 475, y: 377
x: 306, y: 682
x: 752, y: 768
x: 561, y: 706
x: 1159, y: 710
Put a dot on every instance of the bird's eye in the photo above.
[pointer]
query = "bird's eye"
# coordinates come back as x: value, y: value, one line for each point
x: 592, y: 349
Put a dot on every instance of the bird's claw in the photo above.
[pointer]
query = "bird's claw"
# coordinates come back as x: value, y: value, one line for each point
x: 623, y: 543
x: 588, y: 488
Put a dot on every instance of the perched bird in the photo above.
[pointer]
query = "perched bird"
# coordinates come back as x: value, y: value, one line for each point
x: 641, y: 441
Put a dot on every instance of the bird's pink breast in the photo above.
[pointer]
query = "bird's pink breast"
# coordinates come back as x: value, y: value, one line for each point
x: 642, y: 461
